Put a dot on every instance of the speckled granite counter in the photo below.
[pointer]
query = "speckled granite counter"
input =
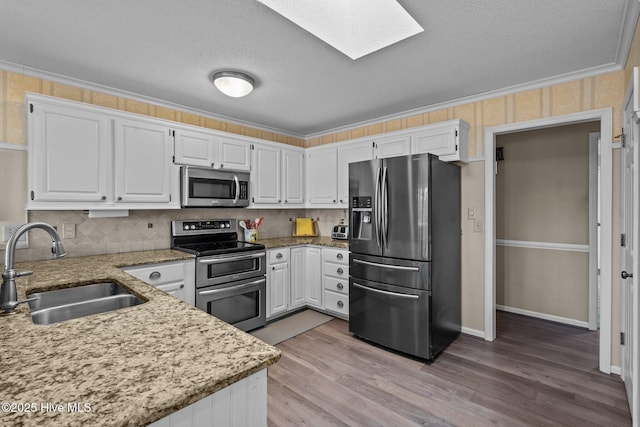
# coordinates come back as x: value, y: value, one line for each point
x: 281, y: 242
x: 132, y: 366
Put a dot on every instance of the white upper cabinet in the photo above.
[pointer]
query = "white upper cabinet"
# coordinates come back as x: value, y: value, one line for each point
x: 448, y: 140
x: 277, y: 176
x: 211, y: 149
x: 392, y: 146
x: 293, y: 177
x: 266, y: 175
x: 143, y: 167
x: 322, y: 176
x: 87, y: 157
x: 234, y: 154
x: 195, y: 148
x: 350, y: 153
x: 70, y: 154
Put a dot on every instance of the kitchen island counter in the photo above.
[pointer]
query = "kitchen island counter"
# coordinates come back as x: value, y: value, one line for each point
x: 127, y: 367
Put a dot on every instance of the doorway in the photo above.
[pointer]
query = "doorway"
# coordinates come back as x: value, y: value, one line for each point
x: 604, y: 117
x: 544, y: 221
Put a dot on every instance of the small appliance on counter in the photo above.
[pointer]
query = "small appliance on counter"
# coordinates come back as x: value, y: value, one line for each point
x: 340, y: 232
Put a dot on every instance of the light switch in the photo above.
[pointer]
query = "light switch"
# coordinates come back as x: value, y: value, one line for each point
x: 471, y: 212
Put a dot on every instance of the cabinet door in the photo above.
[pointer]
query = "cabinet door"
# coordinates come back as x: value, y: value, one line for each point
x: 349, y: 154
x: 234, y: 154
x: 70, y: 154
x: 392, y: 147
x: 322, y: 176
x: 195, y: 148
x: 265, y: 176
x: 293, y: 177
x: 298, y: 277
x: 143, y: 166
x: 278, y: 289
x: 313, y: 276
x: 438, y: 141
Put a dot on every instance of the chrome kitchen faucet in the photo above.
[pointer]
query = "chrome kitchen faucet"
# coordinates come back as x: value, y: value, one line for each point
x: 8, y: 293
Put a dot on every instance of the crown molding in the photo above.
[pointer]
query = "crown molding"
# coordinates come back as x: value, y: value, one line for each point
x: 83, y: 84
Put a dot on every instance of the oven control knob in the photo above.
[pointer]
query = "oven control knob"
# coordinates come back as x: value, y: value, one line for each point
x: 193, y: 226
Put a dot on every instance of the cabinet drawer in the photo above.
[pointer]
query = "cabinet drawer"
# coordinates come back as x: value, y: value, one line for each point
x: 337, y: 303
x: 158, y: 274
x: 278, y: 255
x: 338, y: 256
x: 335, y: 270
x: 336, y: 285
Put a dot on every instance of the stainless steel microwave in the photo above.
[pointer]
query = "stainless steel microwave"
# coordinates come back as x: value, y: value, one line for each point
x: 202, y: 187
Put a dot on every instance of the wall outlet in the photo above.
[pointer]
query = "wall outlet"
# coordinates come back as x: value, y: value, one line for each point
x: 68, y: 231
x: 7, y: 232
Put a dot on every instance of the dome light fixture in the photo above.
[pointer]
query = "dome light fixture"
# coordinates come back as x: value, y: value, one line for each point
x: 233, y: 83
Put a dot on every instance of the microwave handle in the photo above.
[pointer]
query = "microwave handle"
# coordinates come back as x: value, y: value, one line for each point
x: 235, y: 179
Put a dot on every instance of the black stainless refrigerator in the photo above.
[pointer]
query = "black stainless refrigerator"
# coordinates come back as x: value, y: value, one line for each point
x: 404, y: 262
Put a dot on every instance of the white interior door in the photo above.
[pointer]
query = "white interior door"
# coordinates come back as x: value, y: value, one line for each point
x: 630, y: 229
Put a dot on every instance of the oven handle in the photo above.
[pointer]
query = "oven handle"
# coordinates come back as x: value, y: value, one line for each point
x: 235, y: 288
x: 235, y: 179
x: 395, y: 294
x: 393, y: 267
x: 231, y: 258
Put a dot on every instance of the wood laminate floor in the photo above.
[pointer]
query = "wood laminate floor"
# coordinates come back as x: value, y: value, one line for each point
x: 537, y: 373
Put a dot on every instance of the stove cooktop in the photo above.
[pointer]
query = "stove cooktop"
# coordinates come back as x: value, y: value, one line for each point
x: 209, y: 237
x: 217, y: 248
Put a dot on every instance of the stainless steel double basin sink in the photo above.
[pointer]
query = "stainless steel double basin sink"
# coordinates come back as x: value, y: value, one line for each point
x: 71, y: 303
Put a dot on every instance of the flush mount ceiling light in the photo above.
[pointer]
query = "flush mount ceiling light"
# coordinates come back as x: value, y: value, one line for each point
x: 354, y: 27
x: 233, y: 83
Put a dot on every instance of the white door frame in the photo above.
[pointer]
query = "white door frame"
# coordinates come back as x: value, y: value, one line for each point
x: 605, y: 116
x: 594, y: 206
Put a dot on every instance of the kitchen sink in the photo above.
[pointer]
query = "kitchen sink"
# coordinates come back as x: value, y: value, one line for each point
x: 72, y: 303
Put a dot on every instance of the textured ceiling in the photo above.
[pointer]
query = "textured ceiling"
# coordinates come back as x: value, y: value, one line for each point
x: 166, y: 49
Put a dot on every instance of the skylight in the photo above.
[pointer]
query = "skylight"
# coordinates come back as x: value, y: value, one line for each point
x: 354, y: 27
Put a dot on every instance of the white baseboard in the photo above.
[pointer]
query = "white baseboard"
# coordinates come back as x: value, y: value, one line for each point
x: 616, y: 370
x: 558, y: 319
x: 474, y: 332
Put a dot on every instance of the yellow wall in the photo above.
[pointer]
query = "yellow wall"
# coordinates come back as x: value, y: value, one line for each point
x: 13, y: 114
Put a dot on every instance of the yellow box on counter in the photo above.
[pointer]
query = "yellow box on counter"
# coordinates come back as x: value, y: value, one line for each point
x: 302, y: 227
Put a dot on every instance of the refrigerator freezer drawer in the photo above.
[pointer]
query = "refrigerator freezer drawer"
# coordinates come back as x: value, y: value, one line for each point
x: 394, y: 317
x: 405, y: 273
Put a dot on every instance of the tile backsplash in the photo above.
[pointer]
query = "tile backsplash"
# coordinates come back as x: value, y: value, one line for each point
x: 150, y: 229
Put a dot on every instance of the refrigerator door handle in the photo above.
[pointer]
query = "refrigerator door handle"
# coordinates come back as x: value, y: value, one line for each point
x: 376, y: 207
x: 393, y: 267
x: 385, y: 208
x: 379, y: 291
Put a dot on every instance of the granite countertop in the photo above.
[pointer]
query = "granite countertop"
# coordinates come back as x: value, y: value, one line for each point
x: 131, y: 366
x: 281, y: 242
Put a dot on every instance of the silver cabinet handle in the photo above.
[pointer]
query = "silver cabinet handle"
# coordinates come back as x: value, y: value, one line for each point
x: 155, y: 275
x: 339, y: 256
x: 340, y: 304
x: 395, y: 294
x: 221, y: 165
x: 340, y: 286
x: 340, y: 271
x: 181, y: 285
x: 104, y: 197
x: 279, y: 255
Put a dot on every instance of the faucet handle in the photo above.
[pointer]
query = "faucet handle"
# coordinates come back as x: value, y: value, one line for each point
x: 24, y: 273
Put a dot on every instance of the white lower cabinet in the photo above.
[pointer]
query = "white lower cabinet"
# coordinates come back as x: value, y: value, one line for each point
x: 175, y: 278
x: 300, y: 277
x: 277, y: 282
x: 335, y: 281
x: 242, y: 404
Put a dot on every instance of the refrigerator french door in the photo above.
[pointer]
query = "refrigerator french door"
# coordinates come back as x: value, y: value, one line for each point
x: 404, y: 286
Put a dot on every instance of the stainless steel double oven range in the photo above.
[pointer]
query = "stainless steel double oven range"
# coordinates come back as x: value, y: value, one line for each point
x: 230, y: 274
